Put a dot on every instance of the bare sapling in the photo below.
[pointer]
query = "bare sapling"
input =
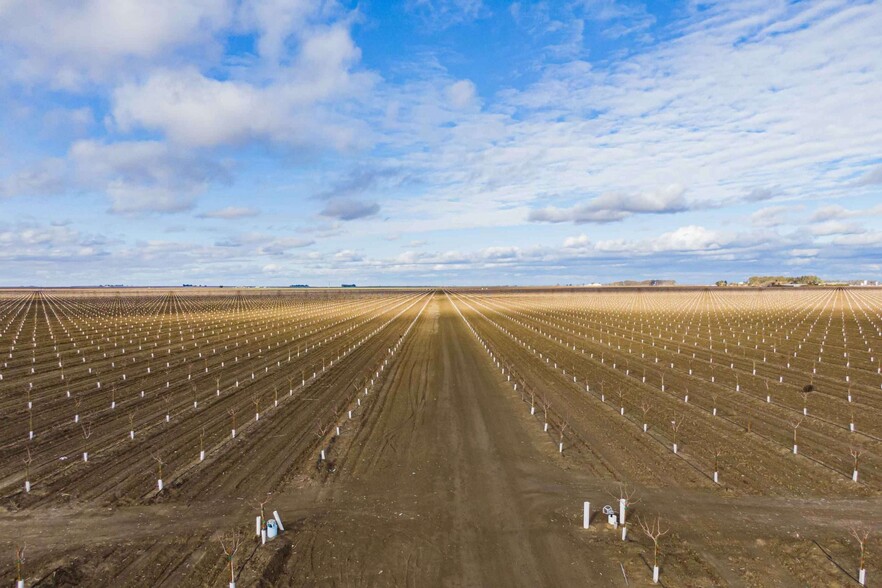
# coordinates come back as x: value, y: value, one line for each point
x: 654, y: 532
x: 19, y: 566
x: 563, y: 427
x: 621, y: 394
x: 714, y: 397
x: 256, y: 400
x: 78, y: 401
x: 645, y: 407
x: 132, y: 425
x: 717, y: 453
x: 261, y: 520
x: 856, y: 452
x: 87, y: 432
x: 676, y: 425
x: 796, y: 424
x: 232, y: 412
x: 546, y: 404
x: 861, y: 536
x: 159, y: 464
x: 230, y: 544
x: 321, y: 431
x: 806, y: 391
x: 626, y: 498
x: 27, y: 461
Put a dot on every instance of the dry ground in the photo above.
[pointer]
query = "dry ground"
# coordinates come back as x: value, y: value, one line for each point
x: 441, y: 476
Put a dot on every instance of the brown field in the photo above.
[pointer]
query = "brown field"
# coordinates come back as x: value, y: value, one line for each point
x: 462, y: 430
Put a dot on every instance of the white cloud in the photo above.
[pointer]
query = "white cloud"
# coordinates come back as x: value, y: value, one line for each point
x: 614, y: 206
x: 461, y: 93
x: 69, y: 44
x: 143, y: 176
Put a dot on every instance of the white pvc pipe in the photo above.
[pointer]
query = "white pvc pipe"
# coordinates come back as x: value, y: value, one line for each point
x: 278, y: 520
x: 795, y: 449
x: 854, y: 476
x: 862, y: 577
x: 159, y: 484
x: 201, y: 455
x: 655, y: 574
x: 586, y: 515
x: 85, y: 456
x: 257, y: 525
x: 716, y: 477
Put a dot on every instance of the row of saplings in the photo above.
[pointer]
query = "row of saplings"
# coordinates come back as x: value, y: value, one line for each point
x: 654, y: 532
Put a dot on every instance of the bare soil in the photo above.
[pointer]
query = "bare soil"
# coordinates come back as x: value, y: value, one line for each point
x: 441, y: 475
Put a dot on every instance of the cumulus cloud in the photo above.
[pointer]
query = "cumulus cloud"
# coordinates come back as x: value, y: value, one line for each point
x: 616, y: 206
x: 42, y: 178
x: 144, y: 176
x: 461, y: 94
x: 347, y: 209
x: 71, y: 44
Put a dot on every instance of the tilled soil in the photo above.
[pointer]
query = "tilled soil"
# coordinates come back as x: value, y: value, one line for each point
x: 441, y: 476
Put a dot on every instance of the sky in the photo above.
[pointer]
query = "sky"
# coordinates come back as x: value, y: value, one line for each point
x: 433, y: 142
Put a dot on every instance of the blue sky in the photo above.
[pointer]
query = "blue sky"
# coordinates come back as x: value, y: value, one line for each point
x: 438, y: 141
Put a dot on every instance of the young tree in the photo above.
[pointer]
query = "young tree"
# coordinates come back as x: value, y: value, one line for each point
x: 717, y: 453
x: 87, y: 432
x: 563, y: 427
x: 19, y: 566
x: 654, y: 532
x: 626, y: 499
x: 676, y: 425
x: 861, y: 536
x: 230, y: 544
x: 159, y: 463
x: 645, y: 406
x: 27, y: 461
x: 856, y: 452
x: 232, y: 413
x: 796, y: 424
